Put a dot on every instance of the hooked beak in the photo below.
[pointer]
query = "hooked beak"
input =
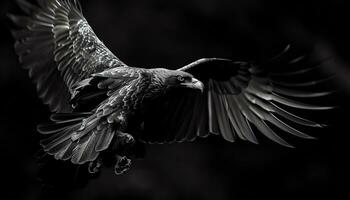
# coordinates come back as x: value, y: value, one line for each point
x: 194, y: 84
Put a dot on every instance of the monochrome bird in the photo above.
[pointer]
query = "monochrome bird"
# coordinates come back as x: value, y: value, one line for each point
x: 101, y: 107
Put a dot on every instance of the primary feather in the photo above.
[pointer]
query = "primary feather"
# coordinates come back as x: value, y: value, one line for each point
x: 59, y: 48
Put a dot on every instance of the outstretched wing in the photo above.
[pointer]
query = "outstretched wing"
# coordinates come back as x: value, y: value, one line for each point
x: 58, y: 47
x: 237, y: 95
x: 81, y: 136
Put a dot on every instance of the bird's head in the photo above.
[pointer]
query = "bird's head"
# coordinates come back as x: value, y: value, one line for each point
x: 173, y: 79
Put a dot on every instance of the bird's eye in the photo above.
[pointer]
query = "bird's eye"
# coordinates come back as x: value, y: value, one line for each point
x: 181, y: 78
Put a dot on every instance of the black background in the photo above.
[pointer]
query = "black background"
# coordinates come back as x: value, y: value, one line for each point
x: 157, y: 33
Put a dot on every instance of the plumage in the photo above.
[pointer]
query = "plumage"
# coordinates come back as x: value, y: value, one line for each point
x: 100, y: 105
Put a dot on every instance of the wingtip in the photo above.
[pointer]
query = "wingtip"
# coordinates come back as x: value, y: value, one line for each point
x: 313, y: 138
x: 10, y: 16
x: 289, y: 146
x: 325, y: 107
x: 253, y: 140
x: 309, y: 137
x: 285, y: 50
x: 26, y: 6
x: 17, y: 20
x: 323, y: 125
x: 38, y: 128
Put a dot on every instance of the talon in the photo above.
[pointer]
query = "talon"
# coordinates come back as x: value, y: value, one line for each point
x: 122, y: 165
x: 126, y: 138
x: 94, y: 166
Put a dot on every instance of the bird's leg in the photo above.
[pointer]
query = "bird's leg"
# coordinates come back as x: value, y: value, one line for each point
x: 125, y: 142
x: 122, y: 165
x: 125, y: 138
x: 94, y: 166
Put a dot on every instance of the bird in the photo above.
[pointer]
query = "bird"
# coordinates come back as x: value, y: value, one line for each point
x: 102, y: 108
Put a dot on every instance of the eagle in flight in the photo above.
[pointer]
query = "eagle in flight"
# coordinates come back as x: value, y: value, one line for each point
x: 101, y: 107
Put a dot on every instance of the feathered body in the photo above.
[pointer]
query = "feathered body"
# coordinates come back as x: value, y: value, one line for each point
x: 114, y: 97
x: 100, y: 104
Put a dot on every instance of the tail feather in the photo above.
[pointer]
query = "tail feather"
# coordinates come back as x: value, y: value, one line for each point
x: 75, y: 136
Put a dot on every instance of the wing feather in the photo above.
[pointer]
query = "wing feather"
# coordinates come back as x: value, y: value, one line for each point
x: 239, y: 95
x: 55, y: 38
x: 79, y: 137
x: 105, y: 139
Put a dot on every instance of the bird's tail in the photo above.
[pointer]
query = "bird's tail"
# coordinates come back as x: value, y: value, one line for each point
x: 78, y: 137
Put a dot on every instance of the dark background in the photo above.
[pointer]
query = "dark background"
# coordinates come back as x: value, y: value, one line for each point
x: 157, y: 33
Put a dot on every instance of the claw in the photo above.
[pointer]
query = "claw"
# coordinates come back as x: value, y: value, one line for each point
x: 94, y: 166
x: 122, y: 165
x: 126, y: 138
